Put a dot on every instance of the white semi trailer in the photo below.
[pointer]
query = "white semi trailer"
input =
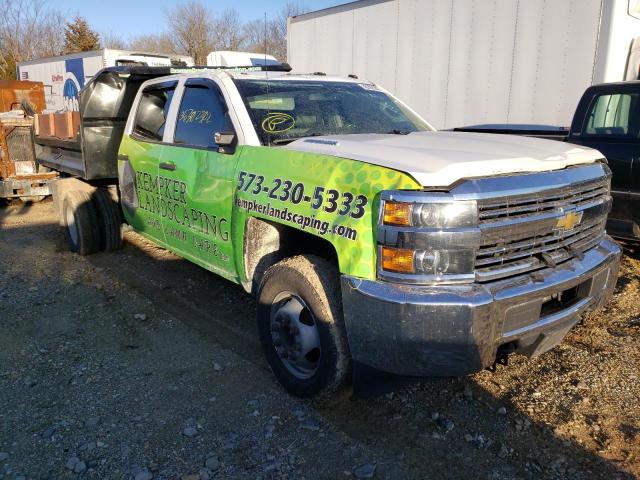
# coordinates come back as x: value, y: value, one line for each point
x: 64, y: 76
x: 226, y: 58
x: 465, y: 62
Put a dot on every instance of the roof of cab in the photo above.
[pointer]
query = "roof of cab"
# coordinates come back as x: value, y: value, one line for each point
x: 281, y: 72
x: 292, y: 76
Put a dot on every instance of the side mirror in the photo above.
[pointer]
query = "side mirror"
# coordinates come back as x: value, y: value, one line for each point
x: 224, y: 139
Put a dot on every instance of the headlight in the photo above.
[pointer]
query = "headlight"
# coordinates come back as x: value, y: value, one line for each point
x: 445, y: 262
x: 427, y: 238
x: 434, y: 263
x: 433, y: 215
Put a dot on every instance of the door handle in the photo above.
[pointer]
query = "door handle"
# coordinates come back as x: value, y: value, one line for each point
x: 167, y: 165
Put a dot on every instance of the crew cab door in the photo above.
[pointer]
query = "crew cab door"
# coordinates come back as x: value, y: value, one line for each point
x: 199, y: 176
x: 139, y: 158
x: 611, y: 124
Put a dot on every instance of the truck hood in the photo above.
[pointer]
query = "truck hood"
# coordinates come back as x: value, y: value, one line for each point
x: 438, y: 159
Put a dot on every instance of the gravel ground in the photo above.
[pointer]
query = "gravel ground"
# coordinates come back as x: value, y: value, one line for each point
x: 137, y: 364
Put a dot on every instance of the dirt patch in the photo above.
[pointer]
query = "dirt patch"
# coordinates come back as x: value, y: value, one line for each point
x: 138, y: 364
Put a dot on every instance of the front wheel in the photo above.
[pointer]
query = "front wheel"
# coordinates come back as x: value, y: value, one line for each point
x: 301, y: 327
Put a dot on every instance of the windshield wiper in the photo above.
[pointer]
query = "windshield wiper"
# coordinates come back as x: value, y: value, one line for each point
x: 395, y: 131
x: 284, y: 141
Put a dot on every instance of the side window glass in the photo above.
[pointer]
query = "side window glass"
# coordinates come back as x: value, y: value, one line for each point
x: 151, y: 115
x: 202, y: 113
x: 613, y: 115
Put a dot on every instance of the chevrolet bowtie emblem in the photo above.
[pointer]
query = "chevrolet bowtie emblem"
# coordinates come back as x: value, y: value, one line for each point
x: 569, y: 221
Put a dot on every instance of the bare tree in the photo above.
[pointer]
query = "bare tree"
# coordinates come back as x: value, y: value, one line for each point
x: 262, y: 38
x: 228, y: 32
x: 108, y: 39
x: 254, y: 34
x: 191, y: 27
x: 278, y: 28
x: 271, y: 37
x: 158, y: 43
x: 50, y: 37
x: 28, y: 30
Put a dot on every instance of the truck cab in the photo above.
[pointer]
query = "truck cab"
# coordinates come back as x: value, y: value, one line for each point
x: 608, y: 119
x: 191, y: 138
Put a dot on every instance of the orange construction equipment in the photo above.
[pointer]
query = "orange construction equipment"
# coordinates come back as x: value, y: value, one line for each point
x: 13, y: 93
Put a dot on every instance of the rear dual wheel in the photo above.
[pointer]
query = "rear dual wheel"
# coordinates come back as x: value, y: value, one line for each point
x: 81, y: 222
x: 93, y: 221
x: 110, y: 220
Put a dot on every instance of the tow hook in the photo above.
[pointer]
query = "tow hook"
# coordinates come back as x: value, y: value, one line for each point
x: 502, y: 356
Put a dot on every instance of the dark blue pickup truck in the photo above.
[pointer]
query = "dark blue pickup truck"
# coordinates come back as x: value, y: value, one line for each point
x: 607, y: 119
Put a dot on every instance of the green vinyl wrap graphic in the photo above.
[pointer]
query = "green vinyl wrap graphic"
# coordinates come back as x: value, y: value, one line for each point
x: 356, y: 253
x: 200, y: 209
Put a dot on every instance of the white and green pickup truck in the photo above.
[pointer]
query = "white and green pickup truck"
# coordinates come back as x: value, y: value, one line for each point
x: 369, y: 239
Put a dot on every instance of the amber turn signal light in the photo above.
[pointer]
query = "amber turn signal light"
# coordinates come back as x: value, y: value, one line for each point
x: 398, y: 260
x: 397, y: 213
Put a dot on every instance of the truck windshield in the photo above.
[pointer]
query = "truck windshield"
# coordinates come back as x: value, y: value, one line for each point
x: 283, y: 111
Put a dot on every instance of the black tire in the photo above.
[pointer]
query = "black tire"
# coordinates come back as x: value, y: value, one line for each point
x: 313, y: 283
x: 110, y: 221
x: 81, y: 222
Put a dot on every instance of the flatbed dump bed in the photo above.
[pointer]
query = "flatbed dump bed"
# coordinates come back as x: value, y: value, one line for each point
x: 91, y: 153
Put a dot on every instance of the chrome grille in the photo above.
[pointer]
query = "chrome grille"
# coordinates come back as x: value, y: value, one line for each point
x: 519, y: 233
x: 516, y: 207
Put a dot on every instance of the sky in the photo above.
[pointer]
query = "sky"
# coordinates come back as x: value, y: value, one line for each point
x: 133, y: 17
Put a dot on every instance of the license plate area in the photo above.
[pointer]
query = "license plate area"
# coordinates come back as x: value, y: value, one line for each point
x: 564, y: 299
x: 522, y: 317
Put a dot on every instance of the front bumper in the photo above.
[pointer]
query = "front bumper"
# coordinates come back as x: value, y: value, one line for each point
x: 450, y: 330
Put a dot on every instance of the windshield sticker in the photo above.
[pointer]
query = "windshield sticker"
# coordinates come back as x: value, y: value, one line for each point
x: 195, y: 116
x: 277, y: 122
x: 271, y: 102
x: 369, y: 86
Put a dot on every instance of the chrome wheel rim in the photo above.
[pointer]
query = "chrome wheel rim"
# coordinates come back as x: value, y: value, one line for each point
x: 295, y: 335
